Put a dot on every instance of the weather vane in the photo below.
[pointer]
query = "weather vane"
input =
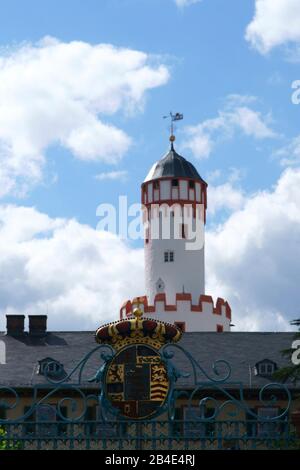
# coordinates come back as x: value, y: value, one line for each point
x: 173, y: 118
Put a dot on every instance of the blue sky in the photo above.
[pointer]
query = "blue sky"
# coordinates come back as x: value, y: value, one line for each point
x: 228, y: 66
x: 209, y: 59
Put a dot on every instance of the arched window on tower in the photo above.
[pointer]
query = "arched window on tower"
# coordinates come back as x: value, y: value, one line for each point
x: 160, y: 286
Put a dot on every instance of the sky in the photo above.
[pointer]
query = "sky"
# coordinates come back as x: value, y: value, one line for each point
x: 84, y: 87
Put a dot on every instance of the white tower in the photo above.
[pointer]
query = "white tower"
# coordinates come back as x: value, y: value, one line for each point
x: 174, y: 198
x: 170, y: 194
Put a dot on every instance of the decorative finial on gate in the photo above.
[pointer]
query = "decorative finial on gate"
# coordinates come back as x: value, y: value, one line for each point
x: 136, y: 328
x: 138, y: 313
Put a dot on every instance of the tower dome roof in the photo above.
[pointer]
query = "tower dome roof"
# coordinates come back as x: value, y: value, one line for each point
x: 173, y: 165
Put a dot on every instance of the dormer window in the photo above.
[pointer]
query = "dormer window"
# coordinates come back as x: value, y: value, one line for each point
x: 265, y: 368
x: 51, y: 368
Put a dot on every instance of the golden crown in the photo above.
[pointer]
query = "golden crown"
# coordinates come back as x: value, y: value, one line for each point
x: 138, y: 330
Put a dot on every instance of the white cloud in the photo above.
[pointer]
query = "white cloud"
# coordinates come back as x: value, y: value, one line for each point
x: 253, y: 258
x: 186, y: 3
x: 65, y: 93
x: 289, y: 155
x: 112, y: 175
x: 275, y: 22
x: 252, y: 123
x: 235, y: 117
x: 239, y: 100
x: 79, y: 275
x: 275, y: 79
x: 224, y: 196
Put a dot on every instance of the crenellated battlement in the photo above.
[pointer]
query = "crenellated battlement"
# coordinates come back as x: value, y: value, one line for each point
x: 209, y: 316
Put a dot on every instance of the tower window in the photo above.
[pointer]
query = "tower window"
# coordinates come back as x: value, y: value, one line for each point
x: 220, y: 329
x: 175, y: 183
x: 155, y: 184
x: 192, y: 184
x: 184, y: 231
x: 169, y: 256
x: 144, y: 194
x: 160, y: 286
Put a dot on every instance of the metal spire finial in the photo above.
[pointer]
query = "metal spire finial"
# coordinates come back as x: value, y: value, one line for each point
x: 173, y: 118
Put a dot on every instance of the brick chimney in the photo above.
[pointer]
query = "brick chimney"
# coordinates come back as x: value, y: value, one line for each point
x: 15, y: 325
x: 37, y: 325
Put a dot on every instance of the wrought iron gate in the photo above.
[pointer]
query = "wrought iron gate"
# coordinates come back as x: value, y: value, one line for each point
x: 204, y: 410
